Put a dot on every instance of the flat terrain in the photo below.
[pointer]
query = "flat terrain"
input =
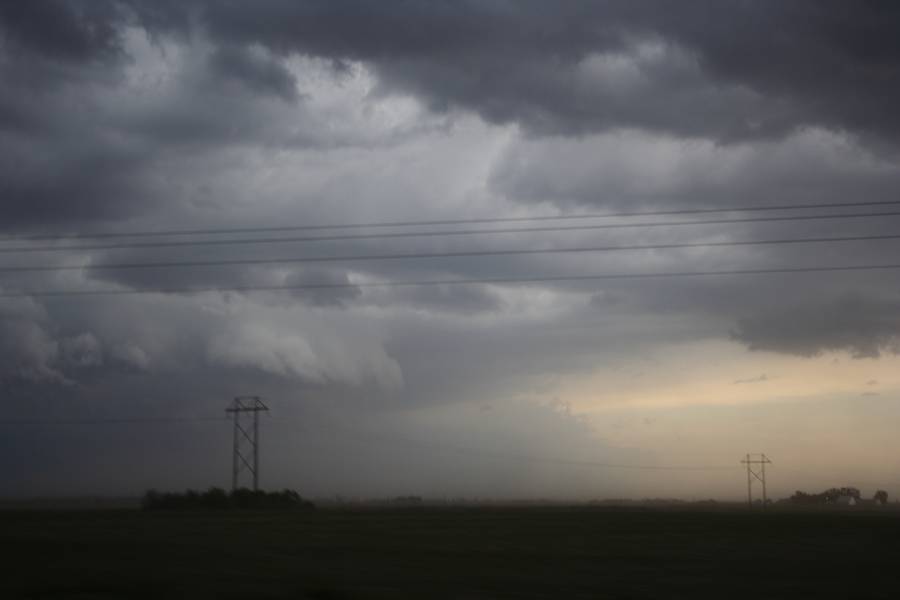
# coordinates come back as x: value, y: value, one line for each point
x: 451, y: 553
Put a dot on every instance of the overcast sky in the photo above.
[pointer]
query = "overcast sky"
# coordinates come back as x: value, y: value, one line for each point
x: 127, y: 116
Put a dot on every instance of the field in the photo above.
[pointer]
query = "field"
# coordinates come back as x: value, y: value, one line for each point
x: 450, y: 553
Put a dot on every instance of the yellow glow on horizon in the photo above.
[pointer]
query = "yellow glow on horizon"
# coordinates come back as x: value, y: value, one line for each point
x: 720, y: 373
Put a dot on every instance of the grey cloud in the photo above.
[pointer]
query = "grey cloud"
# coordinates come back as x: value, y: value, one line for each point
x: 131, y: 355
x: 627, y: 170
x: 454, y: 299
x: 106, y: 142
x: 762, y: 68
x: 325, y: 296
x: 234, y: 276
x: 294, y: 355
x: 532, y: 64
x: 63, y: 30
x: 255, y: 71
x: 862, y: 326
x: 526, y: 65
x: 34, y: 349
x: 60, y: 183
x: 81, y: 351
x: 28, y: 351
x: 725, y: 70
x: 170, y: 335
x: 186, y: 278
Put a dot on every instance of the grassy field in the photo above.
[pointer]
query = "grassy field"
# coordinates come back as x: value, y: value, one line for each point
x: 450, y: 553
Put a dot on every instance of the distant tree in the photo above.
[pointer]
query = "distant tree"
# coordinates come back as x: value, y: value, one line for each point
x: 217, y: 499
x: 881, y: 497
x: 804, y: 498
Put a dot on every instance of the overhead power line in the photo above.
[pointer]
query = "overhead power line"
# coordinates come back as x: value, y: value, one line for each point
x: 439, y: 282
x: 110, y: 421
x: 427, y: 255
x: 435, y: 222
x: 408, y: 234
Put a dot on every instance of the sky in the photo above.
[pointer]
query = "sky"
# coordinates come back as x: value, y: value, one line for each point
x: 121, y: 116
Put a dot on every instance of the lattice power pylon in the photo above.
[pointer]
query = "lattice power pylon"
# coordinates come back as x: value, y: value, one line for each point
x: 756, y: 469
x: 245, y: 455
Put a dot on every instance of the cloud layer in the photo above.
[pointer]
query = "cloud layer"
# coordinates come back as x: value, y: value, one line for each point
x: 120, y: 116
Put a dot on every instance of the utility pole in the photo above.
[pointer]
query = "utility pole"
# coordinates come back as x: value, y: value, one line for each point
x: 245, y: 458
x: 756, y: 469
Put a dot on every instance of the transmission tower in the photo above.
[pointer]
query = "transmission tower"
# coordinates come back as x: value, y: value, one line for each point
x: 245, y: 454
x: 756, y: 469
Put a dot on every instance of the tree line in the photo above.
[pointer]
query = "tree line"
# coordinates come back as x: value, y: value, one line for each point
x: 218, y: 499
x: 831, y: 495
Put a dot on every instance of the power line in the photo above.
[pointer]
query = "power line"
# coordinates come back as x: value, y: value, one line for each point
x: 407, y: 234
x: 434, y: 222
x: 438, y: 282
x: 111, y: 421
x: 424, y: 255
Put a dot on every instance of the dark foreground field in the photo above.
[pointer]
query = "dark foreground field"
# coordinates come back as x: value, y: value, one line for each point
x: 431, y: 553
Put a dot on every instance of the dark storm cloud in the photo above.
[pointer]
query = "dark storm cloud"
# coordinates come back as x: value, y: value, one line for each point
x: 721, y: 69
x: 254, y: 71
x: 71, y: 182
x: 862, y: 326
x: 63, y: 30
x: 59, y: 164
x: 724, y: 70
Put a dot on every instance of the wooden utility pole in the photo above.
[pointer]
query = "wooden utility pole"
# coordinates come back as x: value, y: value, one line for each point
x: 756, y: 469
